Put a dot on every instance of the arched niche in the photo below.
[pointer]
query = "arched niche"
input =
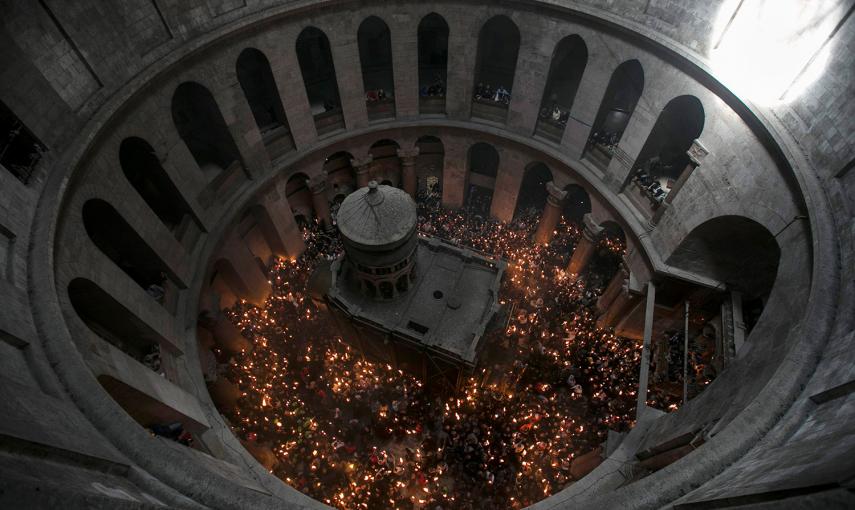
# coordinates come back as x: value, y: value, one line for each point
x: 616, y: 108
x: 386, y: 165
x: 430, y: 164
x: 117, y: 240
x: 577, y: 203
x: 261, y: 93
x: 299, y: 196
x: 565, y: 73
x: 319, y: 77
x: 495, y: 67
x: 732, y: 249
x: 482, y: 168
x: 113, y: 322
x: 663, y: 158
x: 433, y: 63
x: 533, y: 193
x: 341, y: 176
x: 375, y: 57
x: 144, y: 172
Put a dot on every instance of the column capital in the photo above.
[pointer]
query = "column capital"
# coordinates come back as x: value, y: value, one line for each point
x: 697, y: 152
x: 590, y: 228
x: 360, y: 164
x: 318, y: 182
x: 556, y: 194
x: 408, y: 156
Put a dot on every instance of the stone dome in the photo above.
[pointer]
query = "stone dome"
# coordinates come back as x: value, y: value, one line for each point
x: 377, y: 216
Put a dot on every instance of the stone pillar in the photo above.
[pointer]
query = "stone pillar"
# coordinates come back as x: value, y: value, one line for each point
x: 645, y: 350
x: 318, y: 186
x: 623, y: 303
x: 586, y: 247
x: 256, y: 286
x: 551, y: 214
x: 408, y: 170
x: 697, y: 152
x: 286, y: 235
x: 615, y: 286
x: 362, y: 167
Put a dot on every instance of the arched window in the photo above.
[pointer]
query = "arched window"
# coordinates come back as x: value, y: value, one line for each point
x: 318, y: 69
x: 533, y: 193
x: 618, y: 104
x: 259, y: 87
x: 144, y: 172
x: 433, y: 63
x: 206, y: 134
x: 430, y: 164
x: 481, y: 178
x: 375, y: 55
x: 120, y: 243
x: 386, y: 165
x: 495, y: 66
x: 565, y: 73
x: 20, y: 150
x: 577, y: 204
x: 663, y: 157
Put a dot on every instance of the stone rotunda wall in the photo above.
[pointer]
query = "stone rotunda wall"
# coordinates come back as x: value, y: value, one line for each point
x: 85, y: 79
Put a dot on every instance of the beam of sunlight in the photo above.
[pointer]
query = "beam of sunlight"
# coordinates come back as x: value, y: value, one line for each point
x: 769, y: 51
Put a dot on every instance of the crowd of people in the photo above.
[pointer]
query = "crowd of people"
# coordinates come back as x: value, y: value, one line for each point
x: 485, y: 92
x: 358, y: 434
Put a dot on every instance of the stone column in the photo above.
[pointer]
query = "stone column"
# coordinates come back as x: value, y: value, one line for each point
x: 697, y: 152
x: 551, y: 214
x: 256, y: 288
x: 645, y: 350
x: 408, y: 170
x: 318, y: 186
x: 615, y: 286
x: 362, y: 167
x: 623, y: 303
x: 286, y: 235
x: 586, y: 247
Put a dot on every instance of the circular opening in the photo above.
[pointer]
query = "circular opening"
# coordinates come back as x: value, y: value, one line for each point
x: 437, y: 294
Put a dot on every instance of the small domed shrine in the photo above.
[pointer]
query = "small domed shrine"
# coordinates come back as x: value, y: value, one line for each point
x: 417, y: 303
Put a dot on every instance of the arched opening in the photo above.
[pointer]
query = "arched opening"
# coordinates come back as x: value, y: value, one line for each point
x: 318, y: 69
x: 387, y: 291
x: 227, y: 284
x: 259, y: 87
x: 144, y: 172
x: 495, y: 66
x: 114, y: 323
x: 618, y: 104
x: 565, y: 73
x: 341, y: 177
x: 483, y: 166
x: 577, y: 203
x: 206, y: 134
x: 663, y: 158
x: 429, y: 166
x: 386, y: 165
x: 299, y: 197
x: 20, y: 150
x: 375, y: 55
x: 120, y: 243
x: 533, y: 193
x: 734, y: 250
x: 611, y: 246
x: 433, y: 63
